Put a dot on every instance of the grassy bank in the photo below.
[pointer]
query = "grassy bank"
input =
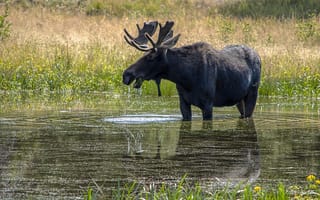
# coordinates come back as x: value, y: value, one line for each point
x: 61, y: 45
x: 186, y: 190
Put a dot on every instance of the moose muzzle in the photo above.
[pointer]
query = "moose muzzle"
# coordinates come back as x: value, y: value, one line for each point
x: 128, y: 78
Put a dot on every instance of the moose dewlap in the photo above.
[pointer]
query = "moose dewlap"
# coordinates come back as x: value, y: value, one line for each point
x: 204, y: 77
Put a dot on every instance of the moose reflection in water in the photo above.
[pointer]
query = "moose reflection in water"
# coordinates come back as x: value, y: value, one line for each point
x: 160, y: 144
x: 212, y: 157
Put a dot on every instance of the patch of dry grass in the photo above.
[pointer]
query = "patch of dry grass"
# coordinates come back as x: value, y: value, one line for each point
x: 268, y: 36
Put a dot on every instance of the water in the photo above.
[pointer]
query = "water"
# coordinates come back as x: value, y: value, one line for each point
x: 57, y: 149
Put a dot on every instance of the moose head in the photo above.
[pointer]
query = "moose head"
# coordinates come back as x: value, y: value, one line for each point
x: 151, y: 65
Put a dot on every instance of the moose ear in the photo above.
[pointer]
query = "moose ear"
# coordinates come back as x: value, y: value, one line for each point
x: 171, y: 42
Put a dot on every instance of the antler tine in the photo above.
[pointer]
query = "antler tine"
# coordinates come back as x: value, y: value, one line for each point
x: 154, y: 45
x: 171, y: 41
x: 128, y: 34
x: 164, y: 31
x: 138, y: 27
x: 141, y: 41
x: 168, y: 36
x: 140, y: 47
x: 128, y: 38
x: 148, y: 27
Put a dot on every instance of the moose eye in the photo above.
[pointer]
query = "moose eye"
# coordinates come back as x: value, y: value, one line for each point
x: 151, y: 56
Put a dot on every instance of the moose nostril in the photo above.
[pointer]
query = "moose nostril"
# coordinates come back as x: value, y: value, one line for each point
x: 127, y: 78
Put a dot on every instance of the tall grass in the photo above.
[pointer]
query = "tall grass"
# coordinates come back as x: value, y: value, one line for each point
x: 138, y: 8
x: 4, y: 24
x: 61, y: 69
x: 54, y: 49
x: 281, y: 9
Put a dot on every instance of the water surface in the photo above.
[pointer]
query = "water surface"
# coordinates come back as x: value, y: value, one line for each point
x: 57, y: 149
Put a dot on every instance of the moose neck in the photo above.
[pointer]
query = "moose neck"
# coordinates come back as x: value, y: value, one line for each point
x: 176, y: 71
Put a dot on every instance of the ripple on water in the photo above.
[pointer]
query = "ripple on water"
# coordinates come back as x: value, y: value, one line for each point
x: 142, y: 118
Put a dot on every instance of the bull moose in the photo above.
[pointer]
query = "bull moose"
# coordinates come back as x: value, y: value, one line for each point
x: 204, y: 77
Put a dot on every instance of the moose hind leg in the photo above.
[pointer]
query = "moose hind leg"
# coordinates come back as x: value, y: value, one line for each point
x: 185, y: 109
x: 241, y: 108
x: 207, y: 112
x: 250, y: 101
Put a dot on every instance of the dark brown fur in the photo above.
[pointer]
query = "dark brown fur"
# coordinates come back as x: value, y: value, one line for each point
x: 204, y: 77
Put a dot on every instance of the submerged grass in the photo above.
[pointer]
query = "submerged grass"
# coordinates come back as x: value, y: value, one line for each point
x: 186, y: 190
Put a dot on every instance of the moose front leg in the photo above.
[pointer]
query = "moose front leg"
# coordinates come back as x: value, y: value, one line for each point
x: 185, y: 109
x: 158, y: 82
x: 207, y: 113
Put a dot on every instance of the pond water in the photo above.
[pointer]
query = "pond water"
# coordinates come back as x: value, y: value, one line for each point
x: 58, y: 148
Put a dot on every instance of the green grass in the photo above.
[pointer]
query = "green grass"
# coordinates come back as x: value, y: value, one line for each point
x: 99, y: 68
x: 60, y: 68
x: 138, y: 8
x: 184, y: 189
x: 271, y: 8
x: 292, y: 78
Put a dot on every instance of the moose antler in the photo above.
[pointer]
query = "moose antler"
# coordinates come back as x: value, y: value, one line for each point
x: 165, y: 40
x: 141, y: 40
x: 165, y: 37
x: 165, y: 32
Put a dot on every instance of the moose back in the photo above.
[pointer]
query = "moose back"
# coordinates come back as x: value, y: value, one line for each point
x: 204, y: 77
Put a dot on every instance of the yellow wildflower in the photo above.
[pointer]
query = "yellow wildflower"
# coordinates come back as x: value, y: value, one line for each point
x: 257, y: 189
x: 318, y: 182
x: 311, y: 178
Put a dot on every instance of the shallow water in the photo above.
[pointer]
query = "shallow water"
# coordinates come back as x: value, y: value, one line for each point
x: 57, y: 150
